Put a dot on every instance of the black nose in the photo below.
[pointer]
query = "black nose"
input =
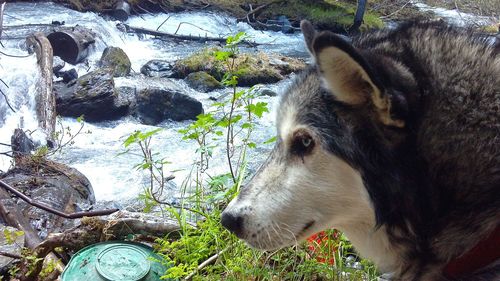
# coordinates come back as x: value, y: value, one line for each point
x: 232, y: 223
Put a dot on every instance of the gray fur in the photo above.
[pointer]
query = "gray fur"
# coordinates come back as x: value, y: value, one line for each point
x: 432, y: 181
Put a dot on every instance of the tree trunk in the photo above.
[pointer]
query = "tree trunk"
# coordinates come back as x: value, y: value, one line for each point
x: 45, y: 99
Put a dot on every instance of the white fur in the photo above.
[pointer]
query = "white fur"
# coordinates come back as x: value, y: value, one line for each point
x: 288, y: 194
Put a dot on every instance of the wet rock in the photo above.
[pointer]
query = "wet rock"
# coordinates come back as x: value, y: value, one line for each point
x: 57, y: 64
x: 12, y: 242
x: 67, y: 76
x: 281, y: 24
x: 156, y: 105
x: 57, y: 185
x: 157, y: 68
x: 264, y: 91
x: 92, y: 95
x: 126, y: 97
x: 116, y: 59
x: 202, y: 81
x: 251, y: 68
x: 21, y: 142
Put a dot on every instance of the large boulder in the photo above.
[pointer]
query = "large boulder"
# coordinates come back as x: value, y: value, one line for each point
x: 117, y: 59
x: 157, y: 68
x: 202, y: 81
x: 92, y: 95
x: 156, y: 105
x: 57, y: 185
x: 251, y: 68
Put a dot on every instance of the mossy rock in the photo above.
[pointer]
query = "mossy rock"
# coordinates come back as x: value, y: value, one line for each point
x: 251, y: 68
x: 116, y: 59
x: 202, y: 81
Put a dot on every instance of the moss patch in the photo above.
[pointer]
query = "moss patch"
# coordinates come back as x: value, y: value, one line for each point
x: 89, y: 5
x: 117, y: 59
x: 251, y: 68
x: 325, y: 14
x: 202, y: 81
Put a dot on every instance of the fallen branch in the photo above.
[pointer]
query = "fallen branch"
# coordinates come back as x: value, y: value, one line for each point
x: 49, y: 209
x: 141, y: 30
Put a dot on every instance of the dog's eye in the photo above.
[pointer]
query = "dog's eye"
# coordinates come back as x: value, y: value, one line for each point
x: 302, y: 143
x: 306, y: 142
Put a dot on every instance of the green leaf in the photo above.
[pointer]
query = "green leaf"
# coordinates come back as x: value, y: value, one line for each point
x: 144, y: 136
x: 252, y: 145
x: 222, y: 55
x: 258, y: 109
x: 247, y: 125
x: 131, y: 139
x: 273, y: 139
x: 80, y: 119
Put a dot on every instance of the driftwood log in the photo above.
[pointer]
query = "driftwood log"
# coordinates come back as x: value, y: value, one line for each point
x: 153, y: 32
x: 71, y: 44
x: 45, y: 99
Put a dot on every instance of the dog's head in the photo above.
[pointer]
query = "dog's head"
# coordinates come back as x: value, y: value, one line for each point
x: 329, y: 124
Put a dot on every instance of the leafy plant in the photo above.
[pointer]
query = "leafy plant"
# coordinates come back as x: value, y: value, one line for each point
x: 205, y: 250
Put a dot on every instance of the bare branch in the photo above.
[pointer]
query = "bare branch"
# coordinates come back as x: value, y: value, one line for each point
x: 15, y: 56
x: 7, y: 100
x: 49, y: 209
x: 158, y: 28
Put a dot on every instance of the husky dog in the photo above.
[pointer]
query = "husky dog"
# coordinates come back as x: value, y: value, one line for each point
x: 394, y: 139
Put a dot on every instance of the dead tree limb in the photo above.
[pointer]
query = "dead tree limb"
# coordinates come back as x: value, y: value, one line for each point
x: 49, y: 209
x: 45, y: 98
x: 141, y: 30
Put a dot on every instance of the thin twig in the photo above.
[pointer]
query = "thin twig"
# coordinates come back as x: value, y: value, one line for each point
x: 7, y: 154
x: 204, y: 264
x: 7, y: 101
x: 158, y: 28
x: 49, y: 209
x: 15, y: 56
x: 181, y: 23
x: 395, y: 12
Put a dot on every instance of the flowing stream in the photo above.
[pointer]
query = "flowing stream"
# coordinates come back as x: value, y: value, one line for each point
x: 96, y: 154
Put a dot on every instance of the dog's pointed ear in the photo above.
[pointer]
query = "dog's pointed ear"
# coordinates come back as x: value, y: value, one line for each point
x: 309, y: 34
x: 349, y: 77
